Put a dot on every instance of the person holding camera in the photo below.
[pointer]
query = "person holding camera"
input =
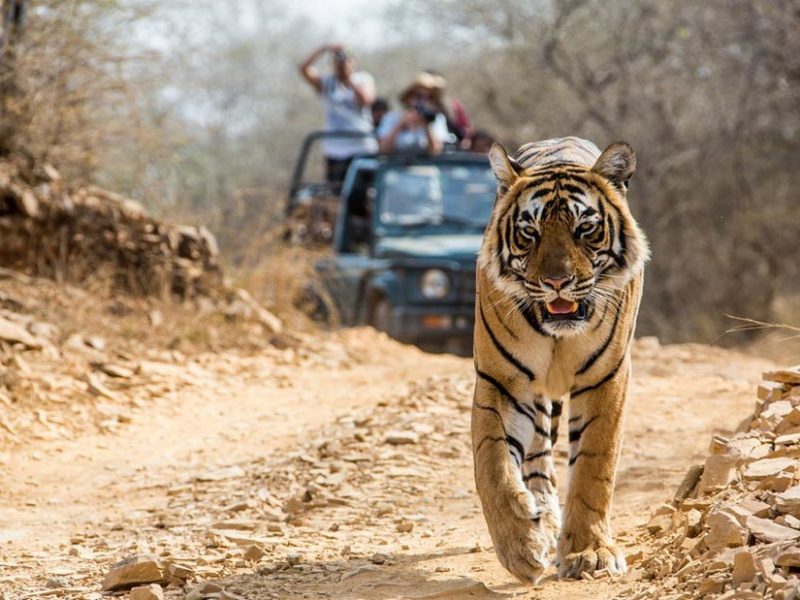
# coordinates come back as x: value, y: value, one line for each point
x: 421, y: 126
x: 347, y: 96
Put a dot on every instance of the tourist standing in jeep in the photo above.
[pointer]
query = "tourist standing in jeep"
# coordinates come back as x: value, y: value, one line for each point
x: 347, y: 96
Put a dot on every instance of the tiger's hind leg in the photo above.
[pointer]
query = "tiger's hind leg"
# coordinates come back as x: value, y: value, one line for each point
x: 521, y: 527
x: 595, y: 435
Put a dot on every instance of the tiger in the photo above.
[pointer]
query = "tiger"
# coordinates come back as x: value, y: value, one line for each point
x: 559, y: 281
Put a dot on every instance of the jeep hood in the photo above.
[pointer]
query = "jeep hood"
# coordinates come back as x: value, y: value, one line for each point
x: 462, y: 247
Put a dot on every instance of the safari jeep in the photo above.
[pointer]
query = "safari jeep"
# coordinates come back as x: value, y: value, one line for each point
x: 406, y: 239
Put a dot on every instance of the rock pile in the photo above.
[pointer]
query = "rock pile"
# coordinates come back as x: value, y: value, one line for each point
x: 732, y: 529
x: 50, y: 230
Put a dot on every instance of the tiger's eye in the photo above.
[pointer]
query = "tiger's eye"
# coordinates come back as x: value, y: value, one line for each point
x: 586, y: 228
x: 527, y: 230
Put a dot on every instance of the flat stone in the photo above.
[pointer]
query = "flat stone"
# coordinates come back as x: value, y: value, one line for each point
x: 701, y: 504
x: 777, y: 483
x: 398, y: 438
x: 294, y: 559
x: 221, y: 474
x: 116, y: 370
x: 202, y: 589
x: 756, y: 507
x: 180, y: 571
x: 769, y: 531
x: 724, y: 531
x: 687, y: 485
x: 379, y: 558
x: 788, y: 502
x: 776, y: 411
x: 791, y: 439
x: 693, y: 520
x: 254, y: 553
x: 791, y: 375
x: 405, y: 526
x: 789, y: 558
x: 133, y: 571
x: 770, y: 390
x: 712, y: 585
x: 659, y: 523
x: 718, y: 445
x: 718, y: 472
x: 147, y: 592
x: 744, y: 567
x: 789, y: 521
x: 747, y: 447
x: 239, y: 524
x: 794, y: 416
x: 242, y: 538
x: 769, y: 467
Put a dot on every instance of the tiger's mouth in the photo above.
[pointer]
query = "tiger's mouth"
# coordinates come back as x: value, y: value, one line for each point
x: 562, y: 309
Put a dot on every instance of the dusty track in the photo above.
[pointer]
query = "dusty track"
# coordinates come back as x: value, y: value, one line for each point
x: 68, y: 508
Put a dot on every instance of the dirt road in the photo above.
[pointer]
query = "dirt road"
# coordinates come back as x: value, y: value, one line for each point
x: 343, y: 470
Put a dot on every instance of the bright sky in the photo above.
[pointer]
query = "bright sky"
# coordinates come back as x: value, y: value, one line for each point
x: 342, y: 20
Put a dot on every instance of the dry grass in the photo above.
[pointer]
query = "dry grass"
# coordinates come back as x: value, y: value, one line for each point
x: 778, y: 341
x: 283, y: 277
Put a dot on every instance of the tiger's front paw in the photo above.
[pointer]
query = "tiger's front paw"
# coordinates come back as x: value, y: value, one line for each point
x: 524, y: 552
x: 523, y: 537
x: 607, y: 557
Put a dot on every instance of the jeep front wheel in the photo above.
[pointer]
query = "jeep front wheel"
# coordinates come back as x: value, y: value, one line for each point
x: 381, y: 316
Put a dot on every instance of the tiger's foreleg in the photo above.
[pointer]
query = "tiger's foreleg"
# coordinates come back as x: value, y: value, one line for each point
x: 538, y: 469
x: 595, y: 435
x: 522, y: 529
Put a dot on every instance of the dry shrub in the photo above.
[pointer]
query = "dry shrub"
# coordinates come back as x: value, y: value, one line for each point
x: 283, y: 277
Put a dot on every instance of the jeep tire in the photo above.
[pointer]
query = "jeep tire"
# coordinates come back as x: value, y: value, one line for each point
x: 381, y: 315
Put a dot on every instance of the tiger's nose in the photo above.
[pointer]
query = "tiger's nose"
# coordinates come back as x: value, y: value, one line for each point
x: 557, y: 283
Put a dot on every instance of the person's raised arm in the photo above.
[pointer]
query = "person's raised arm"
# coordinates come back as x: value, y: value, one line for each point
x: 308, y: 71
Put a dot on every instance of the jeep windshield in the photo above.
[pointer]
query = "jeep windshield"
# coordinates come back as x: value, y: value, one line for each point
x: 442, y: 198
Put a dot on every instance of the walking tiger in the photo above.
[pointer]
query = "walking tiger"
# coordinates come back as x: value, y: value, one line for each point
x: 559, y: 281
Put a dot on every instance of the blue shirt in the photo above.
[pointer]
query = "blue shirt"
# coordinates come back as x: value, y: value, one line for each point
x: 412, y: 139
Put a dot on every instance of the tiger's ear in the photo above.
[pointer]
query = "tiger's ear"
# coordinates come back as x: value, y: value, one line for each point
x: 505, y: 168
x: 617, y: 163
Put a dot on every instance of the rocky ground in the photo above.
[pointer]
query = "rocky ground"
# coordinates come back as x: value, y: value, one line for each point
x: 227, y: 462
x: 732, y: 529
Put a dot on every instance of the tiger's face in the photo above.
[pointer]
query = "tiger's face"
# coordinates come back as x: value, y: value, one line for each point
x: 562, y: 241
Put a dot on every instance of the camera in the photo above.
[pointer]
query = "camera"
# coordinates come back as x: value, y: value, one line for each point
x: 426, y: 111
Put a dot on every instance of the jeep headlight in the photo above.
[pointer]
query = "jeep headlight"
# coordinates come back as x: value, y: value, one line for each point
x: 435, y: 283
